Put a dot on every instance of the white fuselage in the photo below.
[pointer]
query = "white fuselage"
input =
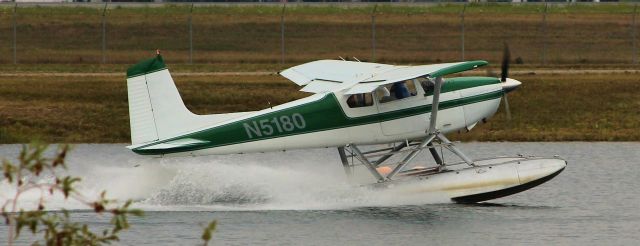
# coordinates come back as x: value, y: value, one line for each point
x: 454, y: 119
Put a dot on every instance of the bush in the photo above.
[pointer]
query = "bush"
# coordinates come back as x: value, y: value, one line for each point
x: 57, y: 228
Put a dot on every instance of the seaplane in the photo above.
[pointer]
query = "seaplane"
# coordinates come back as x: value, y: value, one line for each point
x: 379, y: 117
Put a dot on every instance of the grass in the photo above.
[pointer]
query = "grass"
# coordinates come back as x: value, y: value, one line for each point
x: 568, y: 108
x: 577, y: 34
x: 94, y: 109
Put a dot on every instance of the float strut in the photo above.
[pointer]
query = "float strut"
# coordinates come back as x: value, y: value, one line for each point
x: 384, y: 158
x: 366, y: 163
x: 449, y: 145
x: 411, y: 155
x: 435, y: 154
x: 345, y: 161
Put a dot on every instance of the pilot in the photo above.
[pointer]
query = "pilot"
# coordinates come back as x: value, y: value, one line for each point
x: 400, y: 90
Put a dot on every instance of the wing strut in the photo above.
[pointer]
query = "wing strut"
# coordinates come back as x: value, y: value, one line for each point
x: 434, y: 119
x: 434, y: 105
x: 432, y: 133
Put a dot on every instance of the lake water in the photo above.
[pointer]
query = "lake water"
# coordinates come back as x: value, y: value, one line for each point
x: 303, y: 198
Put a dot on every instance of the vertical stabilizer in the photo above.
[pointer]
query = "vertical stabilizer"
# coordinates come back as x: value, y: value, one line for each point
x: 156, y: 110
x: 141, y: 118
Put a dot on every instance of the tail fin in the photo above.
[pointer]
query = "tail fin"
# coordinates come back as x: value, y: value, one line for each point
x: 156, y: 110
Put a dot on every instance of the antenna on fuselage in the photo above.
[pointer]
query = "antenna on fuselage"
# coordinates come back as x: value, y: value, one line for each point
x: 341, y: 58
x: 356, y: 59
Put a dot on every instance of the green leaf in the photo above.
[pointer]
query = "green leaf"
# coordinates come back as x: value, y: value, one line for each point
x: 67, y: 185
x: 9, y: 170
x: 206, y: 234
x: 57, y: 228
x: 33, y: 226
x: 62, y: 154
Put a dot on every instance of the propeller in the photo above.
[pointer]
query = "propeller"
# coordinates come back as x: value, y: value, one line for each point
x: 506, y: 58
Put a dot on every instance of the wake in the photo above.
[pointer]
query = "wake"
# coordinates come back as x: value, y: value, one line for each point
x: 293, y: 180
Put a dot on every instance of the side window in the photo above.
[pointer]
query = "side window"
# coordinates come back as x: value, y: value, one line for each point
x: 360, y: 100
x: 427, y: 86
x: 396, y: 91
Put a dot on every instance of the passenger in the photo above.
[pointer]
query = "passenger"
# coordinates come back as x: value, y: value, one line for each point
x: 351, y: 101
x: 360, y: 100
x: 383, y: 94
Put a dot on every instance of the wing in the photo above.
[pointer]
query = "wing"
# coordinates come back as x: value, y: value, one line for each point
x: 333, y: 70
x: 328, y: 75
x: 361, y: 77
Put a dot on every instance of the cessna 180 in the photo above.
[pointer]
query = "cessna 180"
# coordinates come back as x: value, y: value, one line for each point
x: 354, y: 104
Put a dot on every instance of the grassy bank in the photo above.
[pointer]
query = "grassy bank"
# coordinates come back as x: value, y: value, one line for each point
x: 573, y: 34
x: 94, y: 109
x: 568, y: 108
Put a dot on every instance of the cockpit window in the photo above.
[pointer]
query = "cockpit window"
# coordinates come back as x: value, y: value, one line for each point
x: 396, y: 91
x: 427, y: 85
x: 360, y: 100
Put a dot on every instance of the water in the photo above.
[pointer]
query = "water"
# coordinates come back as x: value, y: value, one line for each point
x: 303, y: 198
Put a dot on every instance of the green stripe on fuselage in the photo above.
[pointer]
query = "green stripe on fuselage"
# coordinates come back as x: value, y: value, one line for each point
x: 459, y: 83
x: 321, y: 115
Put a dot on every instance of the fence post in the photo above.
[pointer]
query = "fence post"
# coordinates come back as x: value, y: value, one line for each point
x: 15, y: 33
x: 464, y: 9
x: 373, y: 33
x: 191, y: 35
x: 282, y: 33
x: 633, y: 35
x: 544, y: 34
x: 104, y: 33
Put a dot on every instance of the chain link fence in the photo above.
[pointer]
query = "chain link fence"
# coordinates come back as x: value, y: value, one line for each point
x: 539, y: 34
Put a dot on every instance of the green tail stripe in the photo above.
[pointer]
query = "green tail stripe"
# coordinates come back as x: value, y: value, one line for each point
x: 146, y: 67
